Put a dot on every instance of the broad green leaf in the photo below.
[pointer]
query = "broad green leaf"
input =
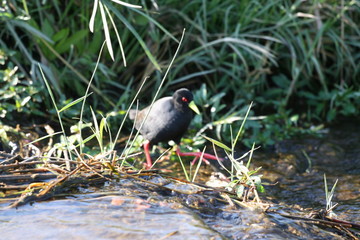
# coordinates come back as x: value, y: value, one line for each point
x: 60, y: 35
x: 65, y: 44
x: 47, y: 28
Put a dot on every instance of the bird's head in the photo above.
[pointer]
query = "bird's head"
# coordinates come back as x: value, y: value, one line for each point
x: 184, y: 99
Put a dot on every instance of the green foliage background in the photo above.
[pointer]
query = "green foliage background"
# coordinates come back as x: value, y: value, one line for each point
x: 297, y: 60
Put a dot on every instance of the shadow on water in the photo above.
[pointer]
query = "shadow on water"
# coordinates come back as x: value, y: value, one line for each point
x: 129, y: 210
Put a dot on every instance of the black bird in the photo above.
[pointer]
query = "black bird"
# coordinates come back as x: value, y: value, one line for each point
x: 168, y: 119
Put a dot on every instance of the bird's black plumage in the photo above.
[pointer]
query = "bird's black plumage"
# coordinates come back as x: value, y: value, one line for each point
x: 168, y: 119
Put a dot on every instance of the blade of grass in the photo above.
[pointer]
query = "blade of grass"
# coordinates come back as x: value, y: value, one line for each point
x: 93, y: 15
x: 86, y: 140
x: 217, y: 143
x: 69, y: 105
x: 167, y: 150
x: 106, y: 31
x: 156, y: 23
x: 241, y: 128
x: 32, y: 30
x: 184, y: 169
x: 125, y: 118
x: 81, y: 77
x: 44, y: 137
x: 251, y: 154
x: 117, y: 35
x: 87, y: 93
x: 57, y: 112
x: 126, y: 4
x: 98, y: 131
x: 198, y: 165
x: 136, y: 35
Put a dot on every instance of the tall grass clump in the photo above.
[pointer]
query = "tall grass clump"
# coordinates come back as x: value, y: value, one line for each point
x: 297, y: 60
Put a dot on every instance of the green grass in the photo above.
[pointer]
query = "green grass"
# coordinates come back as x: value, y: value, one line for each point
x: 243, y: 181
x: 329, y: 197
x: 297, y: 61
x: 72, y: 146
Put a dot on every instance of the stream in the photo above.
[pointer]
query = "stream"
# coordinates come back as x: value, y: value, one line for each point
x: 125, y: 209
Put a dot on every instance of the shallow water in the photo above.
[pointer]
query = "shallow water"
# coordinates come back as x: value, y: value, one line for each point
x: 129, y: 210
x: 125, y: 214
x: 102, y: 217
x: 336, y: 154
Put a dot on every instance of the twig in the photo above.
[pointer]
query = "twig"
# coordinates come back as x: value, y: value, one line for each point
x: 27, y: 177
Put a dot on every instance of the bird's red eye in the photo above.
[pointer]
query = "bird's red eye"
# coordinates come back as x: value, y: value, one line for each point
x: 184, y: 99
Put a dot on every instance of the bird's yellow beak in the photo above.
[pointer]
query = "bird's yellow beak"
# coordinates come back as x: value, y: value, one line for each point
x: 193, y: 107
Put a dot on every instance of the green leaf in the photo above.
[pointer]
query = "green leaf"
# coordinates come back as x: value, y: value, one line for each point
x: 106, y: 31
x: 217, y: 143
x: 65, y: 44
x: 47, y: 28
x: 73, y: 103
x: 60, y: 35
x: 44, y: 137
x: 117, y: 35
x: 260, y: 188
x: 126, y: 4
x: 87, y: 139
x: 156, y: 23
x: 32, y: 30
x: 136, y: 35
x: 25, y: 100
x: 93, y: 14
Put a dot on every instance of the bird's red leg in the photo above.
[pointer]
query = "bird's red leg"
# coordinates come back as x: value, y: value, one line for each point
x: 197, y: 158
x: 197, y: 155
x: 147, y: 154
